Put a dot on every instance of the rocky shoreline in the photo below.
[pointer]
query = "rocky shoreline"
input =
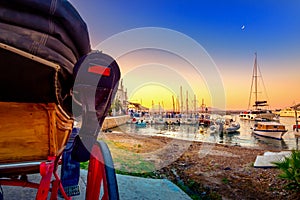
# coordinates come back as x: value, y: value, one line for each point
x: 203, y: 170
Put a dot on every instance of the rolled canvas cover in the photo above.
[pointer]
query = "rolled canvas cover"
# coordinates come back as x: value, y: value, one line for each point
x: 50, y: 49
x: 57, y: 18
x: 51, y: 30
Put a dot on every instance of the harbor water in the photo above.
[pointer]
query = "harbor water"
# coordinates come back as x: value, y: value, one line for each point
x: 243, y: 137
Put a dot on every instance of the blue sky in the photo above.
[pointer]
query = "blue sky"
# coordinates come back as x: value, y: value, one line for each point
x: 214, y: 24
x: 272, y: 29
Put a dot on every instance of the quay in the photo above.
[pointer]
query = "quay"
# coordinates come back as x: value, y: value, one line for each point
x: 112, y: 122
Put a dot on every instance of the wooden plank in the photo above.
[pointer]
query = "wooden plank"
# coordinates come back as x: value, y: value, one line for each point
x: 64, y: 126
x: 53, y: 146
x: 28, y: 132
x: 23, y: 132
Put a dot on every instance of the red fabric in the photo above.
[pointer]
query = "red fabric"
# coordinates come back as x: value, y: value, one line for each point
x: 105, y: 71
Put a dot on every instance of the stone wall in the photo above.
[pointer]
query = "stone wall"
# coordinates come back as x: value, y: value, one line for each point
x: 111, y: 122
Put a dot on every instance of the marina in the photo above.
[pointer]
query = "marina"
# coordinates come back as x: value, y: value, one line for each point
x: 193, y: 132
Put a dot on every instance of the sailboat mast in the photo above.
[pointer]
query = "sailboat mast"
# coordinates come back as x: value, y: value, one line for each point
x: 254, y: 85
x: 181, y: 100
x: 159, y: 108
x: 187, y: 103
x: 152, y: 107
x: 173, y: 103
x: 177, y: 105
x: 195, y: 105
x: 255, y: 78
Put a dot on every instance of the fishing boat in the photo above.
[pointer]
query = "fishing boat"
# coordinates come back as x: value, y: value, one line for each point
x: 258, y: 113
x: 227, y: 125
x: 232, y: 127
x: 140, y: 124
x: 270, y: 129
x: 205, y: 119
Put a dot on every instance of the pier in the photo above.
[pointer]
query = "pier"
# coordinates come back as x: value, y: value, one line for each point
x: 112, y: 122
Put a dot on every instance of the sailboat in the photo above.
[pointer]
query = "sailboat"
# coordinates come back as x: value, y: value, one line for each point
x: 258, y: 111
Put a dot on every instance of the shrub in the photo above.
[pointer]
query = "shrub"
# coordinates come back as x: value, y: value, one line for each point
x: 290, y: 168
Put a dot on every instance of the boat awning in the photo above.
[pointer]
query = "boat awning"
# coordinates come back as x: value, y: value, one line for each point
x: 260, y: 103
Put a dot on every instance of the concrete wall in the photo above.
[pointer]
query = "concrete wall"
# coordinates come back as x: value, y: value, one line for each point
x: 111, y: 122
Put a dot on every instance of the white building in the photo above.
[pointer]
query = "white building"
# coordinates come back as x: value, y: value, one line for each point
x: 121, y: 100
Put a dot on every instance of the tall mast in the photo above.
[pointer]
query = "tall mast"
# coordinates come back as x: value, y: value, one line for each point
x: 257, y: 74
x: 195, y: 103
x: 173, y: 103
x: 254, y: 80
x: 177, y: 104
x: 187, y: 103
x: 202, y: 106
x: 159, y: 108
x: 181, y: 99
x: 152, y: 107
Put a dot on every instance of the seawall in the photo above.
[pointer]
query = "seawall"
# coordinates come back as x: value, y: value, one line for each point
x: 112, y: 122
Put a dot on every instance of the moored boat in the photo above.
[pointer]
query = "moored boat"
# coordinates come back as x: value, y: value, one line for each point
x: 140, y: 124
x: 159, y: 120
x: 289, y: 112
x: 205, y: 120
x: 270, y: 129
x: 227, y: 125
x: 232, y: 127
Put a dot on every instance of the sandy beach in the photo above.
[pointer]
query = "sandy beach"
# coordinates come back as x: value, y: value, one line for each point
x: 203, y: 170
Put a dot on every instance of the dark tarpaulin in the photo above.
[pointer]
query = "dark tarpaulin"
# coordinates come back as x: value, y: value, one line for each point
x: 57, y: 18
x: 49, y: 29
x: 48, y: 48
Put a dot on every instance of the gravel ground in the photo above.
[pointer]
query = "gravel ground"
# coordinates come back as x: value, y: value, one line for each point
x: 206, y: 171
x: 203, y: 170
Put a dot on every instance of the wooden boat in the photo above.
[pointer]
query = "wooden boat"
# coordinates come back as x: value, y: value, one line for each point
x: 270, y: 129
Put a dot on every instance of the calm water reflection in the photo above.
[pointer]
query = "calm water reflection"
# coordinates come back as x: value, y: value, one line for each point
x: 243, y: 137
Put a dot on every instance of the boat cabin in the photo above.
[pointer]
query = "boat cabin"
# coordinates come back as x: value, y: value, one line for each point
x: 270, y: 126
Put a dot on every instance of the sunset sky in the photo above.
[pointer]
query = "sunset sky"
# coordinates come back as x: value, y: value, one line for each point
x: 202, y: 46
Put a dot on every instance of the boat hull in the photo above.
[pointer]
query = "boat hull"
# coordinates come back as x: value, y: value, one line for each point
x: 289, y: 112
x: 141, y: 125
x: 259, y: 116
x: 232, y: 128
x: 270, y: 134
